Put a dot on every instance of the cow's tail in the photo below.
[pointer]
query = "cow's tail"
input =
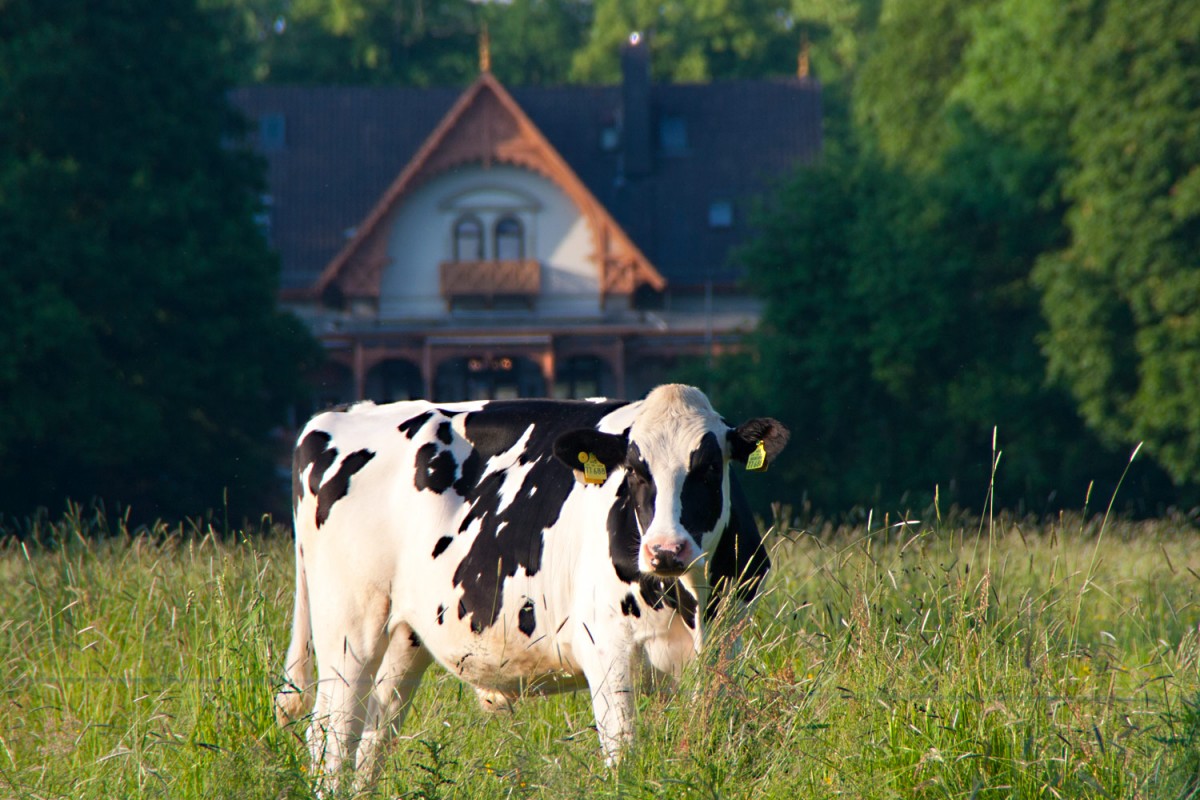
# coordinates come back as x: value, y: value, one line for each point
x: 298, y: 691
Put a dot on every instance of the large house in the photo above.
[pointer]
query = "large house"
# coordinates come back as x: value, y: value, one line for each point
x: 567, y: 241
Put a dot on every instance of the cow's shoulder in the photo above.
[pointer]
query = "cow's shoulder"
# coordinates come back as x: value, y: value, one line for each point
x: 515, y: 490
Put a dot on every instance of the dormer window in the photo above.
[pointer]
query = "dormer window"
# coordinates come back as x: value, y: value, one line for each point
x: 509, y: 239
x: 468, y: 239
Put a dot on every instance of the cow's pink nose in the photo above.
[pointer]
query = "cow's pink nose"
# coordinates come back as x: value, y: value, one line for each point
x: 669, y: 557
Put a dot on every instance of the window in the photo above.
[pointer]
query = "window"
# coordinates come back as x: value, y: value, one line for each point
x: 263, y: 218
x: 673, y: 134
x: 510, y: 239
x: 720, y: 214
x: 468, y: 239
x: 272, y: 132
x: 610, y: 138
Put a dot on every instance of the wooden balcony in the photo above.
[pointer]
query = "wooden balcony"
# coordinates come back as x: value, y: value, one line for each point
x: 483, y: 283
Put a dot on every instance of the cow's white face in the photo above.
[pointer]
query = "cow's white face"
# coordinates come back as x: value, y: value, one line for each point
x: 673, y: 464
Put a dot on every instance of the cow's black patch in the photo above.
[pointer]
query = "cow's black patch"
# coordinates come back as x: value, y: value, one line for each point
x: 313, y: 447
x: 623, y: 538
x: 701, y: 499
x: 410, y: 426
x: 413, y: 639
x: 740, y: 560
x: 662, y: 593
x: 511, y: 537
x: 441, y: 545
x: 444, y: 433
x: 629, y: 606
x: 434, y: 468
x: 321, y: 463
x: 641, y: 485
x: 472, y: 468
x: 336, y: 487
x: 441, y: 614
x: 526, y: 621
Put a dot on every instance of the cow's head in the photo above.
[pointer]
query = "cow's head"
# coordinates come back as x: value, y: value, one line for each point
x: 674, y: 461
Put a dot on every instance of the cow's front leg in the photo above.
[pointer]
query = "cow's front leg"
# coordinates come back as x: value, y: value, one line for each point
x: 609, y: 673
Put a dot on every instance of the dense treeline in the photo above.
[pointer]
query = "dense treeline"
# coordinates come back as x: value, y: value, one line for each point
x: 143, y: 360
x: 1004, y: 233
x: 434, y: 42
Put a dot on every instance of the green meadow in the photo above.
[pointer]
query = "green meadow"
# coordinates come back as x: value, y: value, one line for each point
x: 933, y: 659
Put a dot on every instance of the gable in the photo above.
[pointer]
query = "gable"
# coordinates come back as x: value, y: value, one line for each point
x: 489, y: 239
x: 485, y: 127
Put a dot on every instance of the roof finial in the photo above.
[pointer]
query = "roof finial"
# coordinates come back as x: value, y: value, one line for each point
x: 802, y: 59
x: 485, y: 50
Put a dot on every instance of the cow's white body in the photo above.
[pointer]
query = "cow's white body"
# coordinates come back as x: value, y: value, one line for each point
x: 450, y: 532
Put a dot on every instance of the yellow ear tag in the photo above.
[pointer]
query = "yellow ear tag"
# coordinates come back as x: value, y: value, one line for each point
x: 593, y: 470
x: 757, y: 461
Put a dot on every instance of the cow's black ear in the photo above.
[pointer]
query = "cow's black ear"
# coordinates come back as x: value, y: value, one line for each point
x: 745, y: 437
x: 608, y: 448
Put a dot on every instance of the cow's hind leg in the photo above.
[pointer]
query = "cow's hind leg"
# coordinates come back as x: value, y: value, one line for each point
x: 399, y: 675
x: 350, y: 642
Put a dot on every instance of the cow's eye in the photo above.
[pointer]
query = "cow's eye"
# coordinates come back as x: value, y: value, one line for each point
x: 638, y: 477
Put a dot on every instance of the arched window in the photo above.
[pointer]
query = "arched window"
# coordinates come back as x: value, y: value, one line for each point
x: 468, y: 239
x: 510, y: 239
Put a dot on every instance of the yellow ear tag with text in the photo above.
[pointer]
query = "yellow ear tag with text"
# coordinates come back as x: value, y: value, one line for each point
x: 593, y: 469
x: 757, y: 461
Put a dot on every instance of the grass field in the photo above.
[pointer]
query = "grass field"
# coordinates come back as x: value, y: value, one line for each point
x: 953, y: 659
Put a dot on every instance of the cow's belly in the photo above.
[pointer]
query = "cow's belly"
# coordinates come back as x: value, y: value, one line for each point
x: 504, y: 660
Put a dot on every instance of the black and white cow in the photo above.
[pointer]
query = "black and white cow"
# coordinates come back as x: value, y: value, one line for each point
x: 464, y: 533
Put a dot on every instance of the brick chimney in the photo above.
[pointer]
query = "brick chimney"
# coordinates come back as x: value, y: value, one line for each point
x: 637, y: 140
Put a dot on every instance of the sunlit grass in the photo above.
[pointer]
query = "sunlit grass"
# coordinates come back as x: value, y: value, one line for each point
x: 1006, y: 658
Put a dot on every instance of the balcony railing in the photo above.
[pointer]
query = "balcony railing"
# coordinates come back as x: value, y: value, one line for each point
x: 486, y: 282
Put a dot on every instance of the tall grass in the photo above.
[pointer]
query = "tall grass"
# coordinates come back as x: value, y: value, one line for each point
x: 962, y: 658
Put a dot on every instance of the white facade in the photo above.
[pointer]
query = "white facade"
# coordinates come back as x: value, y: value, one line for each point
x: 422, y: 237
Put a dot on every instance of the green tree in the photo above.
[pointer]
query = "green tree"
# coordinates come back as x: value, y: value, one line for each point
x: 838, y: 32
x: 902, y: 324
x: 143, y: 360
x: 903, y: 86
x: 373, y: 42
x: 401, y: 42
x: 692, y: 41
x: 900, y: 329
x: 1123, y: 297
x: 533, y: 41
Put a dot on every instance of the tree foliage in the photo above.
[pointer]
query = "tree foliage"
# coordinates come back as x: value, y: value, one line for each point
x: 143, y: 359
x: 402, y: 42
x: 990, y: 243
x: 692, y: 41
x: 1123, y: 297
x: 900, y: 332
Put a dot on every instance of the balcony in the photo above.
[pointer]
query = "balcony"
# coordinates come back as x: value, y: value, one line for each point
x: 490, y: 284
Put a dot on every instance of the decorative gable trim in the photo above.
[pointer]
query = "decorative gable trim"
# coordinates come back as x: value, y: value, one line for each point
x: 487, y: 126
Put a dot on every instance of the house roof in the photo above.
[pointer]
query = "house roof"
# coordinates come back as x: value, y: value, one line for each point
x: 336, y: 151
